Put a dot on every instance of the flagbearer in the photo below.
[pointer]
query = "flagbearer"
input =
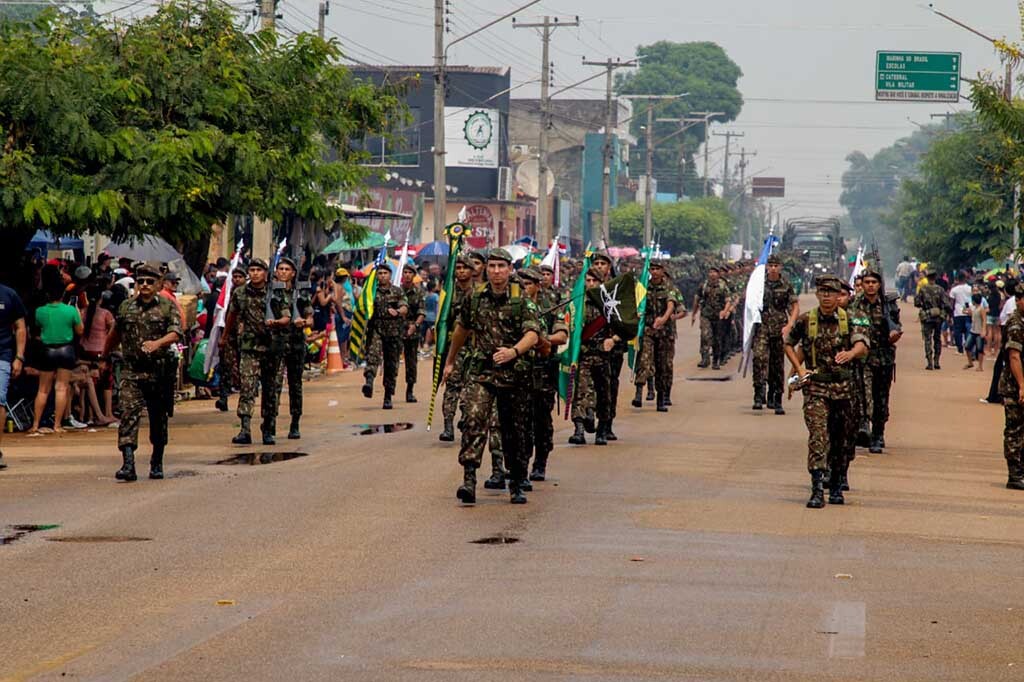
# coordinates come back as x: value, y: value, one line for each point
x: 384, y: 335
x: 414, y: 300
x: 779, y: 311
x: 294, y: 357
x: 828, y: 340
x: 593, y: 395
x: 656, y: 353
x: 453, y: 386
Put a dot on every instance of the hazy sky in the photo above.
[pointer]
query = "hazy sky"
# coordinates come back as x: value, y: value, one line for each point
x: 808, y: 64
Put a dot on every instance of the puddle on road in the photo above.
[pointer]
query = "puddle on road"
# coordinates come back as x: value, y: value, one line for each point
x: 496, y: 540
x: 99, y: 538
x: 253, y: 458
x: 16, y: 532
x: 371, y: 429
x: 725, y: 377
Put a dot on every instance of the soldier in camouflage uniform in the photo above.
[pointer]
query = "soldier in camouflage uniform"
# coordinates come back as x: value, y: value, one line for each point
x: 713, y: 303
x: 828, y: 339
x: 545, y: 369
x: 228, y: 352
x: 883, y: 313
x: 602, y: 265
x: 935, y: 307
x: 1011, y: 388
x: 778, y: 313
x: 503, y: 327
x: 658, y: 347
x: 385, y: 328
x: 414, y: 299
x: 146, y: 327
x: 547, y: 285
x: 300, y: 303
x: 258, y: 364
x: 593, y: 388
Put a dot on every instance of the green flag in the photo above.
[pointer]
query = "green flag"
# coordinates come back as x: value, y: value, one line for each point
x: 456, y: 232
x: 569, y: 359
x: 636, y: 345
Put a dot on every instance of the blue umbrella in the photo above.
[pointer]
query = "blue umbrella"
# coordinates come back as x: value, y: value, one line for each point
x: 434, y: 249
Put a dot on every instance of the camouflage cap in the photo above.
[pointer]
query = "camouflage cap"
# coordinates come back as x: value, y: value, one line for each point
x: 239, y: 270
x: 601, y: 255
x: 411, y: 267
x: 464, y: 260
x: 477, y: 256
x: 828, y: 283
x: 500, y: 254
x: 657, y: 264
x: 530, y: 274
x: 871, y: 272
x: 285, y: 260
x: 258, y: 263
x: 846, y: 286
x: 149, y: 268
x: 545, y: 268
x: 774, y: 259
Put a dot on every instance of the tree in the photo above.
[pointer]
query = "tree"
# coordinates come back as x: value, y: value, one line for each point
x: 959, y: 211
x: 174, y: 123
x: 680, y: 227
x: 705, y: 72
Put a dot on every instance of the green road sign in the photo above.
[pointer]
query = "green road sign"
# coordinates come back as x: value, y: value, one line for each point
x: 918, y: 76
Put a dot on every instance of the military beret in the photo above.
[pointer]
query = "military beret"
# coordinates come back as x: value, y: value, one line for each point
x: 774, y: 259
x: 601, y: 255
x: 258, y: 263
x: 285, y: 260
x: 530, y: 274
x: 150, y: 268
x: 546, y: 268
x: 872, y: 273
x: 500, y: 254
x: 828, y: 283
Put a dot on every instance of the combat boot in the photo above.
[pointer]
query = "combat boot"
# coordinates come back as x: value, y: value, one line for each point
x: 779, y: 409
x: 650, y: 389
x: 368, y: 388
x: 638, y: 399
x: 715, y: 364
x: 409, y: 397
x: 844, y: 478
x: 929, y: 366
x: 293, y: 430
x: 668, y: 396
x: 127, y: 470
x: 156, y: 463
x: 759, y: 400
x: 448, y: 435
x: 609, y: 435
x: 601, y: 437
x: 835, y: 488
x: 817, y: 499
x: 877, y: 444
x: 578, y: 437
x: 539, y: 472
x: 387, y: 402
x: 516, y: 493
x: 937, y: 362
x: 269, y: 431
x: 524, y: 485
x: 467, y: 491
x: 496, y: 481
x: 222, y: 403
x: 662, y: 407
x: 244, y: 436
x: 704, y: 361
x: 864, y: 435
x: 589, y: 422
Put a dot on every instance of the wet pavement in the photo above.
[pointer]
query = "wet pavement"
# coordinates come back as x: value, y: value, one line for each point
x: 681, y: 552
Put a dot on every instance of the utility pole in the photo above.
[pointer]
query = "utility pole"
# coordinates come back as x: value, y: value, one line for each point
x: 606, y: 188
x: 728, y: 135
x: 949, y: 116
x: 440, y: 195
x: 322, y: 12
x: 687, y: 123
x: 543, y: 212
x: 744, y: 222
x: 268, y: 13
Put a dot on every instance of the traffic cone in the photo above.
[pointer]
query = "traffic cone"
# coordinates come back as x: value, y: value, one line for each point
x: 334, y: 361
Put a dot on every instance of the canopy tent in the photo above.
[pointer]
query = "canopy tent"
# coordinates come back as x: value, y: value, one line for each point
x: 44, y: 240
x: 156, y: 249
x: 354, y: 212
x: 373, y: 240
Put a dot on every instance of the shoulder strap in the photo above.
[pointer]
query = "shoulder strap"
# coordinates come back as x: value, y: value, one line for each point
x: 844, y: 322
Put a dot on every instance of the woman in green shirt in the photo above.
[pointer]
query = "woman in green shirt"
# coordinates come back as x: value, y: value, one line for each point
x: 59, y: 324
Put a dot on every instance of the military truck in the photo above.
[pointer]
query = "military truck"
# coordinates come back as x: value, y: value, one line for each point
x: 818, y: 240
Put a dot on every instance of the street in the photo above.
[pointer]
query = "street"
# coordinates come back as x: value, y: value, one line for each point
x: 681, y: 552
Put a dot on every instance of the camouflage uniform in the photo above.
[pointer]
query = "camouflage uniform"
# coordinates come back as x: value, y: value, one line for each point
x: 713, y: 300
x: 935, y: 307
x: 827, y: 393
x: 144, y: 376
x: 593, y: 388
x: 1013, y: 429
x: 258, y: 366
x: 386, y: 332
x: 658, y: 348
x: 294, y: 358
x: 880, y: 366
x: 545, y: 384
x: 415, y: 299
x: 495, y: 321
x: 769, y: 358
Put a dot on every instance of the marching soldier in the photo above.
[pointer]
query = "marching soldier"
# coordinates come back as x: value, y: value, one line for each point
x: 257, y: 364
x: 146, y: 327
x: 602, y: 265
x: 294, y: 341
x: 1011, y: 388
x: 386, y: 327
x: 593, y: 392
x: 656, y: 354
x: 504, y: 328
x: 414, y: 299
x: 935, y: 307
x: 714, y: 304
x: 820, y: 346
x: 547, y: 284
x: 545, y: 371
x: 882, y: 314
x: 779, y: 310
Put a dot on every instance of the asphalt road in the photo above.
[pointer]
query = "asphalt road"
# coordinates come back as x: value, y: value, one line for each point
x: 682, y: 552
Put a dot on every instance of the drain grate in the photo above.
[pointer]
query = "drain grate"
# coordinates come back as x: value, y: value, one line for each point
x: 253, y: 458
x: 16, y: 532
x: 371, y: 429
x: 496, y: 540
x: 99, y: 538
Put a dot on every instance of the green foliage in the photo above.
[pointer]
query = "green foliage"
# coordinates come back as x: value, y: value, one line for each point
x: 680, y: 227
x: 703, y: 70
x: 959, y: 210
x: 173, y: 123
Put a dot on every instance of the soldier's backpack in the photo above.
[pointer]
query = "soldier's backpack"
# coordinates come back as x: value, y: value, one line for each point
x: 812, y: 330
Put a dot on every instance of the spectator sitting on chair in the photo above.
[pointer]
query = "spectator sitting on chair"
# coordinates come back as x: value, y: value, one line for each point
x: 13, y: 337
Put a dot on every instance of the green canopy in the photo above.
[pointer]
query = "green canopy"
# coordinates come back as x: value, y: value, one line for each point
x: 373, y: 240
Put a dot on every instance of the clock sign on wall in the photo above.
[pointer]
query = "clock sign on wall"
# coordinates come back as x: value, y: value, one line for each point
x: 479, y: 130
